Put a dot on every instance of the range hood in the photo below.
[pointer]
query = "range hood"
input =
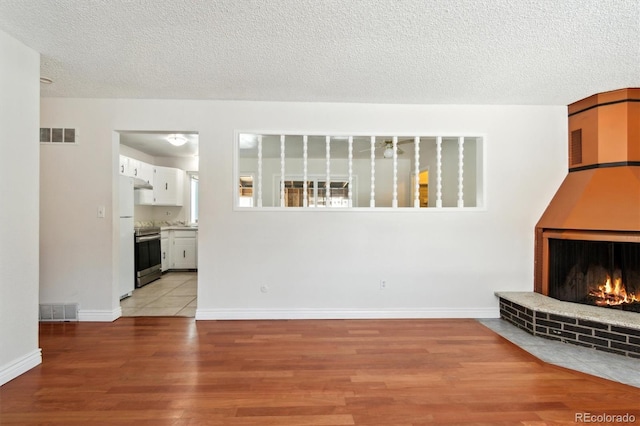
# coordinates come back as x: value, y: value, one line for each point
x: 141, y: 184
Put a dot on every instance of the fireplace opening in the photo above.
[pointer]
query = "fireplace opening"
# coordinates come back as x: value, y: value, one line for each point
x: 599, y: 273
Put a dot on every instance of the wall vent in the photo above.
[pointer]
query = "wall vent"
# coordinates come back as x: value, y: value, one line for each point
x: 59, y: 312
x: 58, y: 135
x: 575, y: 154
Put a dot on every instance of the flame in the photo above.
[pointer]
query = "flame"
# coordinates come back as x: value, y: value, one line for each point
x: 609, y: 294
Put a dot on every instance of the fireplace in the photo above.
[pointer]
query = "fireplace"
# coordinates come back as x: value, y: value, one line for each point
x: 587, y: 242
x: 595, y: 272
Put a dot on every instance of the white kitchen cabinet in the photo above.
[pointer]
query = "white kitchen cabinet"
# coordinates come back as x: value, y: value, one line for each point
x: 184, y: 249
x: 146, y: 172
x: 129, y: 166
x: 167, y: 186
x: 124, y: 166
x: 135, y: 168
x: 165, y: 250
x: 167, y: 182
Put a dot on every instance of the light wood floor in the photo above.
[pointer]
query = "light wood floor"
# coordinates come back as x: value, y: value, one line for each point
x: 176, y: 371
x: 175, y: 294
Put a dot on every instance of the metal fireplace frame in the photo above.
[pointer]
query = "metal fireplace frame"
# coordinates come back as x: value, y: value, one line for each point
x: 563, y: 234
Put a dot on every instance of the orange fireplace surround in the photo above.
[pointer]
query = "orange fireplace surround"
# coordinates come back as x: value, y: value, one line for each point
x: 600, y: 197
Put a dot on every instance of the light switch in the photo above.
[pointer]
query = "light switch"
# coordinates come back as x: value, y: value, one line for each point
x: 101, y: 212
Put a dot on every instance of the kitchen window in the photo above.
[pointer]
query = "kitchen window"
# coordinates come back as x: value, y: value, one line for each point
x: 354, y: 171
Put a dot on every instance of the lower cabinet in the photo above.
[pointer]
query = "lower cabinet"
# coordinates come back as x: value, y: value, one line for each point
x: 179, y: 249
x: 165, y: 250
x: 184, y: 247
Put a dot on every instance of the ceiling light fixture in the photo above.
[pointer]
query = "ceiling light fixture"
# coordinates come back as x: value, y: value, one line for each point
x: 177, y: 140
x: 388, y: 151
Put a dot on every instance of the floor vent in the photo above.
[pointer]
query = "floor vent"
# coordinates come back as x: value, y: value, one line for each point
x: 59, y: 312
x: 58, y: 135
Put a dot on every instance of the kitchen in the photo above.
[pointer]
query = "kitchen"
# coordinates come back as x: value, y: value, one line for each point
x: 158, y: 223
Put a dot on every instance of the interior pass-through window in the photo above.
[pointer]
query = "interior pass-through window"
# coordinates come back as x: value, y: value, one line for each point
x: 355, y: 171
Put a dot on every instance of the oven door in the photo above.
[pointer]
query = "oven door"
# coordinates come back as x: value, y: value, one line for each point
x: 148, y: 259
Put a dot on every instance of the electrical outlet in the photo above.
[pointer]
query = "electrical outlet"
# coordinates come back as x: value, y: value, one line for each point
x: 383, y: 284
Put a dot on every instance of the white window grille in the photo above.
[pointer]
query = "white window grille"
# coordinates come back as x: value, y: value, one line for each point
x: 314, y: 171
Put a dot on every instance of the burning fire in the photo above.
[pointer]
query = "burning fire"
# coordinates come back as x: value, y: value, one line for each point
x: 609, y: 294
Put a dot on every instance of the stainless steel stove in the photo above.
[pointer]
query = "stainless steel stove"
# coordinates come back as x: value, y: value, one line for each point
x: 147, y: 255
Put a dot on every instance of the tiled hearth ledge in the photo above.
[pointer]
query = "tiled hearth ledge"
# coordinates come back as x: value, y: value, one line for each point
x: 609, y: 330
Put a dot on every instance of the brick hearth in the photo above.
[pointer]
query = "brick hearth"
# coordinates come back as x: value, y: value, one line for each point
x: 604, y: 329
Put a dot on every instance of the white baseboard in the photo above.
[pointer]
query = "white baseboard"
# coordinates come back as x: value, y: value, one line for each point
x: 20, y: 366
x: 99, y: 316
x: 276, y: 314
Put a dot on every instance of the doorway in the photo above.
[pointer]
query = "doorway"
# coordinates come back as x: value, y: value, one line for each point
x: 164, y: 167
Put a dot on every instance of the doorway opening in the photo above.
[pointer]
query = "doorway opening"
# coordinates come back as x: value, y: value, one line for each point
x: 163, y: 167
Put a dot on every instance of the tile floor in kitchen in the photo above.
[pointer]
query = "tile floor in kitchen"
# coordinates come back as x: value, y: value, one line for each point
x: 175, y: 294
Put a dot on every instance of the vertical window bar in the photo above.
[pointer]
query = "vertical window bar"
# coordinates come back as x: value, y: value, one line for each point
x: 327, y: 195
x: 350, y: 189
x: 305, y: 161
x: 394, y: 203
x: 439, y: 171
x: 259, y: 171
x: 461, y: 171
x: 282, y: 200
x: 372, y: 202
x: 315, y: 192
x: 416, y: 185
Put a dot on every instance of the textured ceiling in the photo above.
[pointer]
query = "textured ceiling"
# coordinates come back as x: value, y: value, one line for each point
x: 156, y: 143
x: 549, y: 52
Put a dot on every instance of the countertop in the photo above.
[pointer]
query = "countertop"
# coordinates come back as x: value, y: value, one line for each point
x: 166, y: 226
x: 179, y: 228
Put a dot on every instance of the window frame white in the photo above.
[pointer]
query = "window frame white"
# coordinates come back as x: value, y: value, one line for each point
x: 482, y: 150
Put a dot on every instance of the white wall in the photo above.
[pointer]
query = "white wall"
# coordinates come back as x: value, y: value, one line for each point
x: 19, y: 157
x: 77, y: 247
x: 315, y: 264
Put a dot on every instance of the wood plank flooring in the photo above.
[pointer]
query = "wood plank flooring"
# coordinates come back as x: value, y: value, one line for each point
x: 176, y: 371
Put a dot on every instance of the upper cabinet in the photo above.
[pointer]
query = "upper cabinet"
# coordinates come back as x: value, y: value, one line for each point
x: 167, y: 186
x: 167, y: 182
x: 134, y: 167
x: 124, y: 166
x: 146, y: 172
x: 131, y: 167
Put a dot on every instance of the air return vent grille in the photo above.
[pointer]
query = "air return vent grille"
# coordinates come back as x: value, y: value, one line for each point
x: 59, y: 312
x: 58, y: 135
x: 575, y: 154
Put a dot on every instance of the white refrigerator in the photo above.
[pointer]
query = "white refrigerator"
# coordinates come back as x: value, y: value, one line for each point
x: 127, y: 239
